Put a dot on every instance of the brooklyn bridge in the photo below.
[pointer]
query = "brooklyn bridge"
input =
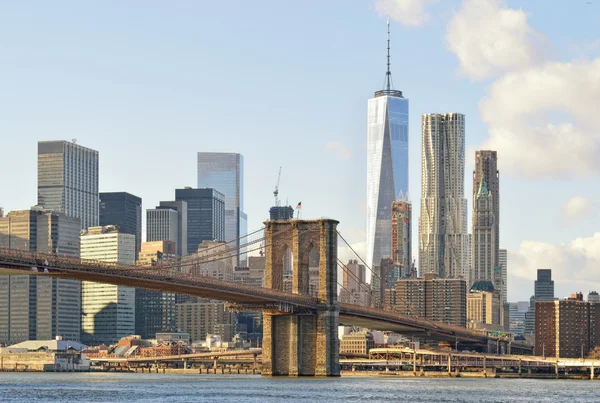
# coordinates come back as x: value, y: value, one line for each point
x: 300, y: 335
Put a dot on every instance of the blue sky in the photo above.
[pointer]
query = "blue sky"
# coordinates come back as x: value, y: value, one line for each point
x: 286, y: 84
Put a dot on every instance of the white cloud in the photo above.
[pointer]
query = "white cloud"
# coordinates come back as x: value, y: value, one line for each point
x: 575, y: 265
x: 342, y: 151
x: 576, y: 208
x: 488, y: 38
x: 543, y: 120
x: 407, y: 12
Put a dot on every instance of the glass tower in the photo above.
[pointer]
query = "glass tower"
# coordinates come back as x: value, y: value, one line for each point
x: 387, y: 168
x: 224, y: 172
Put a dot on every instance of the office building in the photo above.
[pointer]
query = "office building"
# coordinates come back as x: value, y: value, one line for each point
x: 123, y: 210
x: 443, y: 238
x: 224, y: 172
x: 544, y: 285
x: 153, y: 252
x: 206, y: 216
x: 486, y: 170
x: 402, y: 236
x: 543, y: 291
x: 484, y: 234
x: 567, y: 328
x: 517, y: 312
x: 68, y: 180
x: 355, y: 289
x: 357, y: 343
x: 155, y: 311
x: 182, y: 222
x: 593, y: 297
x: 281, y: 213
x: 503, y: 263
x: 482, y: 306
x: 254, y: 274
x: 213, y: 259
x: 387, y: 170
x: 39, y: 308
x: 432, y: 298
x: 108, y: 311
x: 162, y: 224
x: 202, y: 318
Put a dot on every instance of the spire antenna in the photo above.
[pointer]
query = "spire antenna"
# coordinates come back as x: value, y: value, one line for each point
x: 388, y: 74
x: 388, y: 84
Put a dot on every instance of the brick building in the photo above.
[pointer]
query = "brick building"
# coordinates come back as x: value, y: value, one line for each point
x: 441, y: 300
x: 567, y: 328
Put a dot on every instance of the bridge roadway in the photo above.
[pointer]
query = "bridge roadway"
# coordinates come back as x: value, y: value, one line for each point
x: 16, y: 262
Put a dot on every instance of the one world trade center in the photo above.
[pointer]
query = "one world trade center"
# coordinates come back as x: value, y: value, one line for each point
x: 387, y: 169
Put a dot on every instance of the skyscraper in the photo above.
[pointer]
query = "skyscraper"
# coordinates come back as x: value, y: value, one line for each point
x: 125, y: 211
x: 155, y: 311
x: 486, y: 168
x: 182, y: 223
x: 206, y: 216
x: 402, y: 236
x: 68, y: 180
x: 484, y: 236
x: 387, y: 168
x: 443, y: 238
x: 544, y: 285
x: 503, y: 262
x: 224, y: 172
x: 108, y: 311
x: 162, y: 225
x: 39, y: 307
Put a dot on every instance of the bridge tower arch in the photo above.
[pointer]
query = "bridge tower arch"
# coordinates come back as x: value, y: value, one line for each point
x: 302, y: 343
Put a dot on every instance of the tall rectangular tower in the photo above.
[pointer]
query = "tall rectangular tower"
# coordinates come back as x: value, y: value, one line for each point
x: 224, y: 172
x: 68, y: 180
x: 443, y: 238
x: 387, y: 169
x: 484, y: 238
x: 125, y: 211
x: 162, y: 225
x: 486, y: 169
x: 39, y: 307
x: 402, y: 236
x: 182, y: 223
x: 207, y: 216
x: 108, y: 311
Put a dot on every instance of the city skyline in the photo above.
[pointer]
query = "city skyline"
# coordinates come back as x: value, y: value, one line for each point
x: 554, y: 228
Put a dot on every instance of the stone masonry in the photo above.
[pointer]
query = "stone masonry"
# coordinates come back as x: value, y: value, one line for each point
x: 302, y: 344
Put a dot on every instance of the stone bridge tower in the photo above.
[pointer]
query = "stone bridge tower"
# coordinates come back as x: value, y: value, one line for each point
x: 302, y: 343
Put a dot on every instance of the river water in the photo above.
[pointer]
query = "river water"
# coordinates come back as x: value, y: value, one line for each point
x: 167, y: 388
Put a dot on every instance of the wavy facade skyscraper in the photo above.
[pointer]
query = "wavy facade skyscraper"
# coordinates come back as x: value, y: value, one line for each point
x: 443, y: 239
x: 387, y: 168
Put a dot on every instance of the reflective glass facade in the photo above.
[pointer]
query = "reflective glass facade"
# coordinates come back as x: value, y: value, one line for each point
x: 123, y: 210
x: 224, y: 172
x: 387, y: 170
x: 206, y: 216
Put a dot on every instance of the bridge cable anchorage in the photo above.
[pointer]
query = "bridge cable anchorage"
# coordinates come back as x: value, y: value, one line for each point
x: 409, y: 306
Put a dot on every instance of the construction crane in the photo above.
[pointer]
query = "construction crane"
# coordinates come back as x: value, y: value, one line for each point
x: 276, y: 191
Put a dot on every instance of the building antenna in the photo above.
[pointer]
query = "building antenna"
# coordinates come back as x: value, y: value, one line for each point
x: 388, y: 74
